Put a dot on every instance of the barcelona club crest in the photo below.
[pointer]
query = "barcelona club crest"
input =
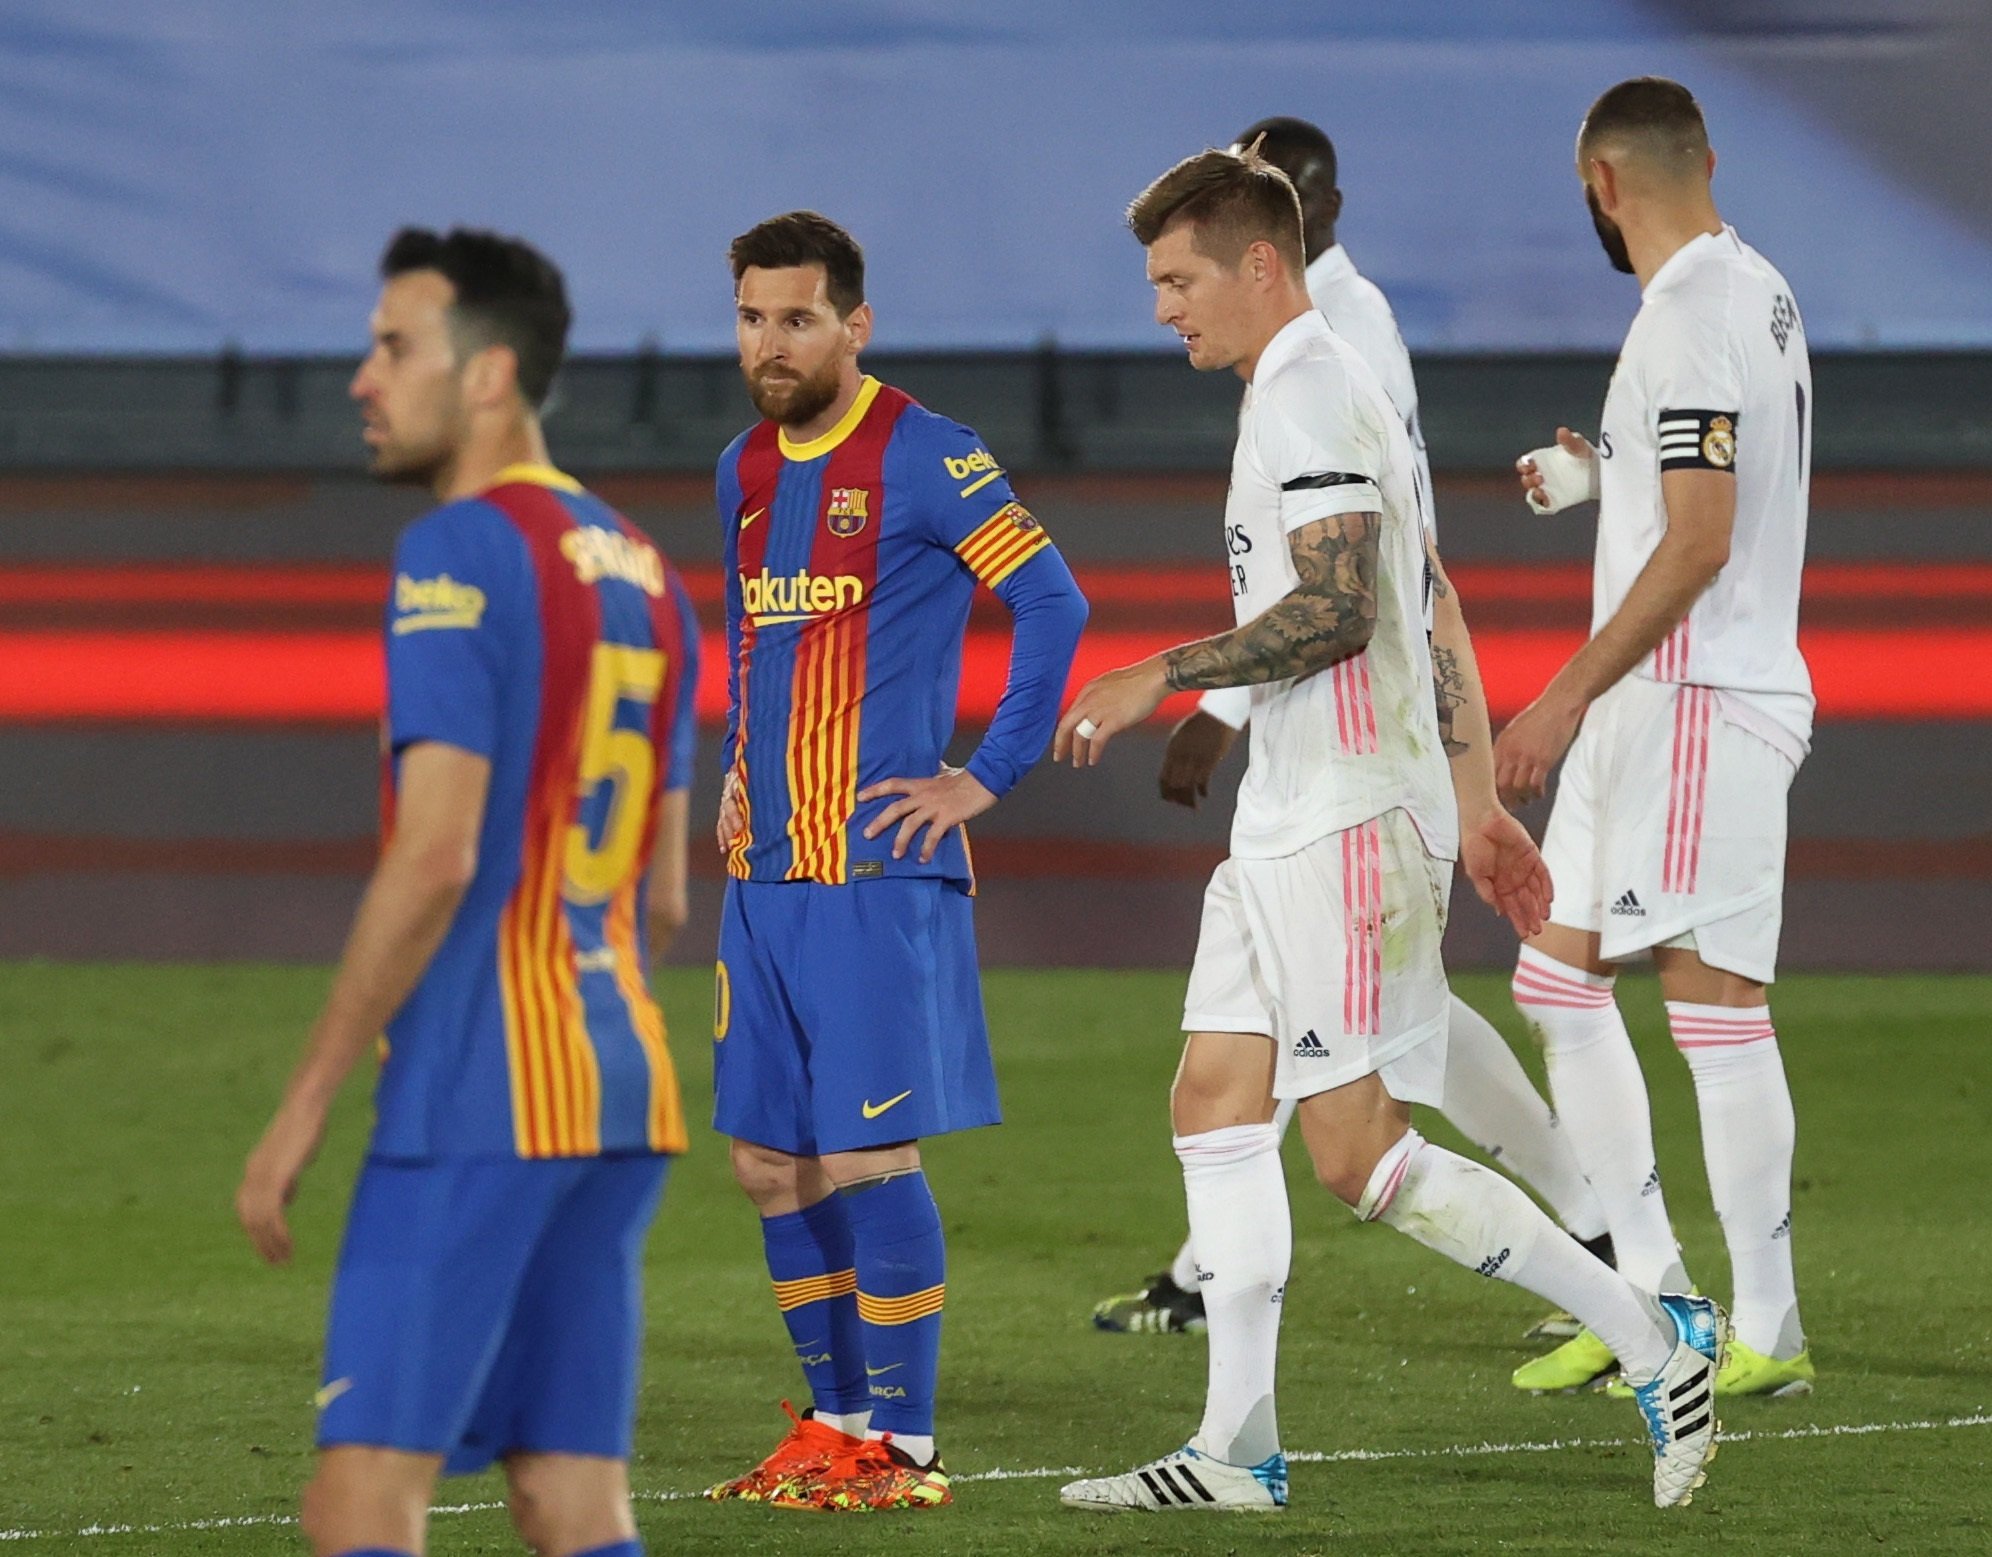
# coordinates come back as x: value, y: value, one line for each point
x: 849, y: 509
x: 1020, y: 517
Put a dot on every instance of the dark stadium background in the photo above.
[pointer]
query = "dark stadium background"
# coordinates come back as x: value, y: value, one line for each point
x: 191, y: 563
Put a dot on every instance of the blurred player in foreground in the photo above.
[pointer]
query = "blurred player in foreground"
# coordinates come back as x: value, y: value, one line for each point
x: 1668, y: 832
x: 850, y: 1024
x: 1487, y: 1096
x: 1317, y: 973
x: 541, y: 661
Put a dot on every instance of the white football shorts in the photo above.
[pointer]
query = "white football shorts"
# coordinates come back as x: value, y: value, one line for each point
x: 1669, y: 829
x: 1332, y: 953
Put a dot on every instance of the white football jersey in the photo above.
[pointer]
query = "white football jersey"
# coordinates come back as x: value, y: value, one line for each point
x: 1318, y: 436
x: 1356, y: 310
x: 1714, y: 376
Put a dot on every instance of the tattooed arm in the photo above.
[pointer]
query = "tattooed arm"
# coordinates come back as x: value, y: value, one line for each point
x: 1496, y: 853
x: 1328, y: 616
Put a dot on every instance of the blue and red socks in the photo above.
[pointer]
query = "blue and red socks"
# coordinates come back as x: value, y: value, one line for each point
x: 816, y: 1285
x: 901, y: 1259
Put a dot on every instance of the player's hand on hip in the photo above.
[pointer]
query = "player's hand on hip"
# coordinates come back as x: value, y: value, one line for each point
x: 1528, y: 750
x: 1560, y: 475
x: 732, y: 811
x: 1196, y: 746
x: 937, y: 804
x: 1105, y: 706
x: 270, y: 1178
x: 1507, y: 870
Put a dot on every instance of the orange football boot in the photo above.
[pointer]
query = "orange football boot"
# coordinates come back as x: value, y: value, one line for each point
x: 809, y: 1447
x: 874, y: 1475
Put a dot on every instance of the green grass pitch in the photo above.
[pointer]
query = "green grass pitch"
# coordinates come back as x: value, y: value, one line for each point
x: 153, y: 1375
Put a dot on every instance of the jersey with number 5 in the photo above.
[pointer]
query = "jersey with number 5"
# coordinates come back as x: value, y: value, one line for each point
x: 1714, y: 376
x: 535, y: 627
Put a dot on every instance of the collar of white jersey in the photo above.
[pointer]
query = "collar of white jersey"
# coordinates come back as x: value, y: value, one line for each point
x: 1683, y: 259
x: 1330, y: 266
x: 1309, y: 324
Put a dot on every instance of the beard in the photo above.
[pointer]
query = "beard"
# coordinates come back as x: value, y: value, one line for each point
x: 412, y: 465
x: 1610, y: 237
x: 792, y: 399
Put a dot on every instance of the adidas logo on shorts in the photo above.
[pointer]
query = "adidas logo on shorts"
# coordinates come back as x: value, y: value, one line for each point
x: 1310, y: 1047
x: 1629, y: 905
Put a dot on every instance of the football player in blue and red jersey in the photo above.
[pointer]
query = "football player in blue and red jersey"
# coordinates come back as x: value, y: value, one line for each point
x: 541, y: 656
x: 850, y: 1025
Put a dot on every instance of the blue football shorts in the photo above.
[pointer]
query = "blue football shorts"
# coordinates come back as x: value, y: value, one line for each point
x: 850, y: 1016
x: 490, y: 1306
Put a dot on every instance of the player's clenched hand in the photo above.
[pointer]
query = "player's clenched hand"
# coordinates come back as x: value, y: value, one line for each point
x: 1196, y: 746
x: 937, y: 804
x: 270, y: 1177
x: 1105, y: 706
x: 1506, y: 869
x: 732, y: 811
x: 1528, y: 750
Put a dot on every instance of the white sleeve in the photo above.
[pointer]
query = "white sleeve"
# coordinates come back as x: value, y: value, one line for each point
x: 1314, y: 442
x: 1694, y: 383
x: 1228, y: 705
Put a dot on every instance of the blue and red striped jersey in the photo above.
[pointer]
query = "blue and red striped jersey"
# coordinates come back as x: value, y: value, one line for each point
x: 851, y: 563
x: 533, y: 625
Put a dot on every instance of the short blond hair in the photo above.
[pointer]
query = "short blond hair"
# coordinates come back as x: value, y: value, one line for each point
x: 1233, y: 198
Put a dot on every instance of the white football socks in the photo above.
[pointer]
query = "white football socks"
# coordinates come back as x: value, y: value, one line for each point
x: 1748, y: 1132
x: 1491, y: 1101
x: 1600, y: 1097
x: 1243, y: 1236
x: 1477, y: 1218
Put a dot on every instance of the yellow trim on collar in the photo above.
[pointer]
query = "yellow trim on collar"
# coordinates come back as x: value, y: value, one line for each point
x: 538, y: 476
x: 847, y: 424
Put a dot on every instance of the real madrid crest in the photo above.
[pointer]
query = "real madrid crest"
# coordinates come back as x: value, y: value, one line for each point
x: 1719, y: 443
x: 849, y: 509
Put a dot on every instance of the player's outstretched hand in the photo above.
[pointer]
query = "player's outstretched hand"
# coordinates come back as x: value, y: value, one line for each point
x: 1528, y: 750
x: 1556, y: 477
x: 937, y: 804
x: 1105, y: 706
x: 270, y: 1178
x: 1507, y: 870
x: 1196, y: 746
x: 732, y: 811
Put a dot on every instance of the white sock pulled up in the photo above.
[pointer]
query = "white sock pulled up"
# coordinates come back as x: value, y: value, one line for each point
x: 1242, y: 1233
x: 1477, y: 1218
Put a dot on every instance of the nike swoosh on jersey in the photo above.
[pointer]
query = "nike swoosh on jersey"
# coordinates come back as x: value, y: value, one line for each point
x: 752, y: 517
x: 873, y: 1110
x: 871, y: 1372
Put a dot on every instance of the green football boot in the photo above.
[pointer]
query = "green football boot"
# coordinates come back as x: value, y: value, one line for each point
x: 1581, y: 1363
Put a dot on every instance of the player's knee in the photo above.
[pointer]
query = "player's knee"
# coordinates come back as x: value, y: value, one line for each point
x: 314, y: 1513
x: 767, y: 1176
x: 559, y: 1506
x: 1343, y: 1168
x: 1212, y: 1097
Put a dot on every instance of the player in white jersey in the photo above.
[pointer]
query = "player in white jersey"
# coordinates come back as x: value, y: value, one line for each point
x: 1317, y: 975
x: 1487, y: 1096
x: 1668, y: 832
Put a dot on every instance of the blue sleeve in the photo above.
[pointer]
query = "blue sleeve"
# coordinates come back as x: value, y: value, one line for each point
x: 684, y: 728
x: 1047, y: 614
x: 461, y: 588
x: 975, y: 514
x: 726, y: 498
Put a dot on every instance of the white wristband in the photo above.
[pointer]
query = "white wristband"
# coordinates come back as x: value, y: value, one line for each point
x: 1566, y: 478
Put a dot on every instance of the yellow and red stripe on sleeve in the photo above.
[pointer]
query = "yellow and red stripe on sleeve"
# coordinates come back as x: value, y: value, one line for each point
x: 1003, y: 543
